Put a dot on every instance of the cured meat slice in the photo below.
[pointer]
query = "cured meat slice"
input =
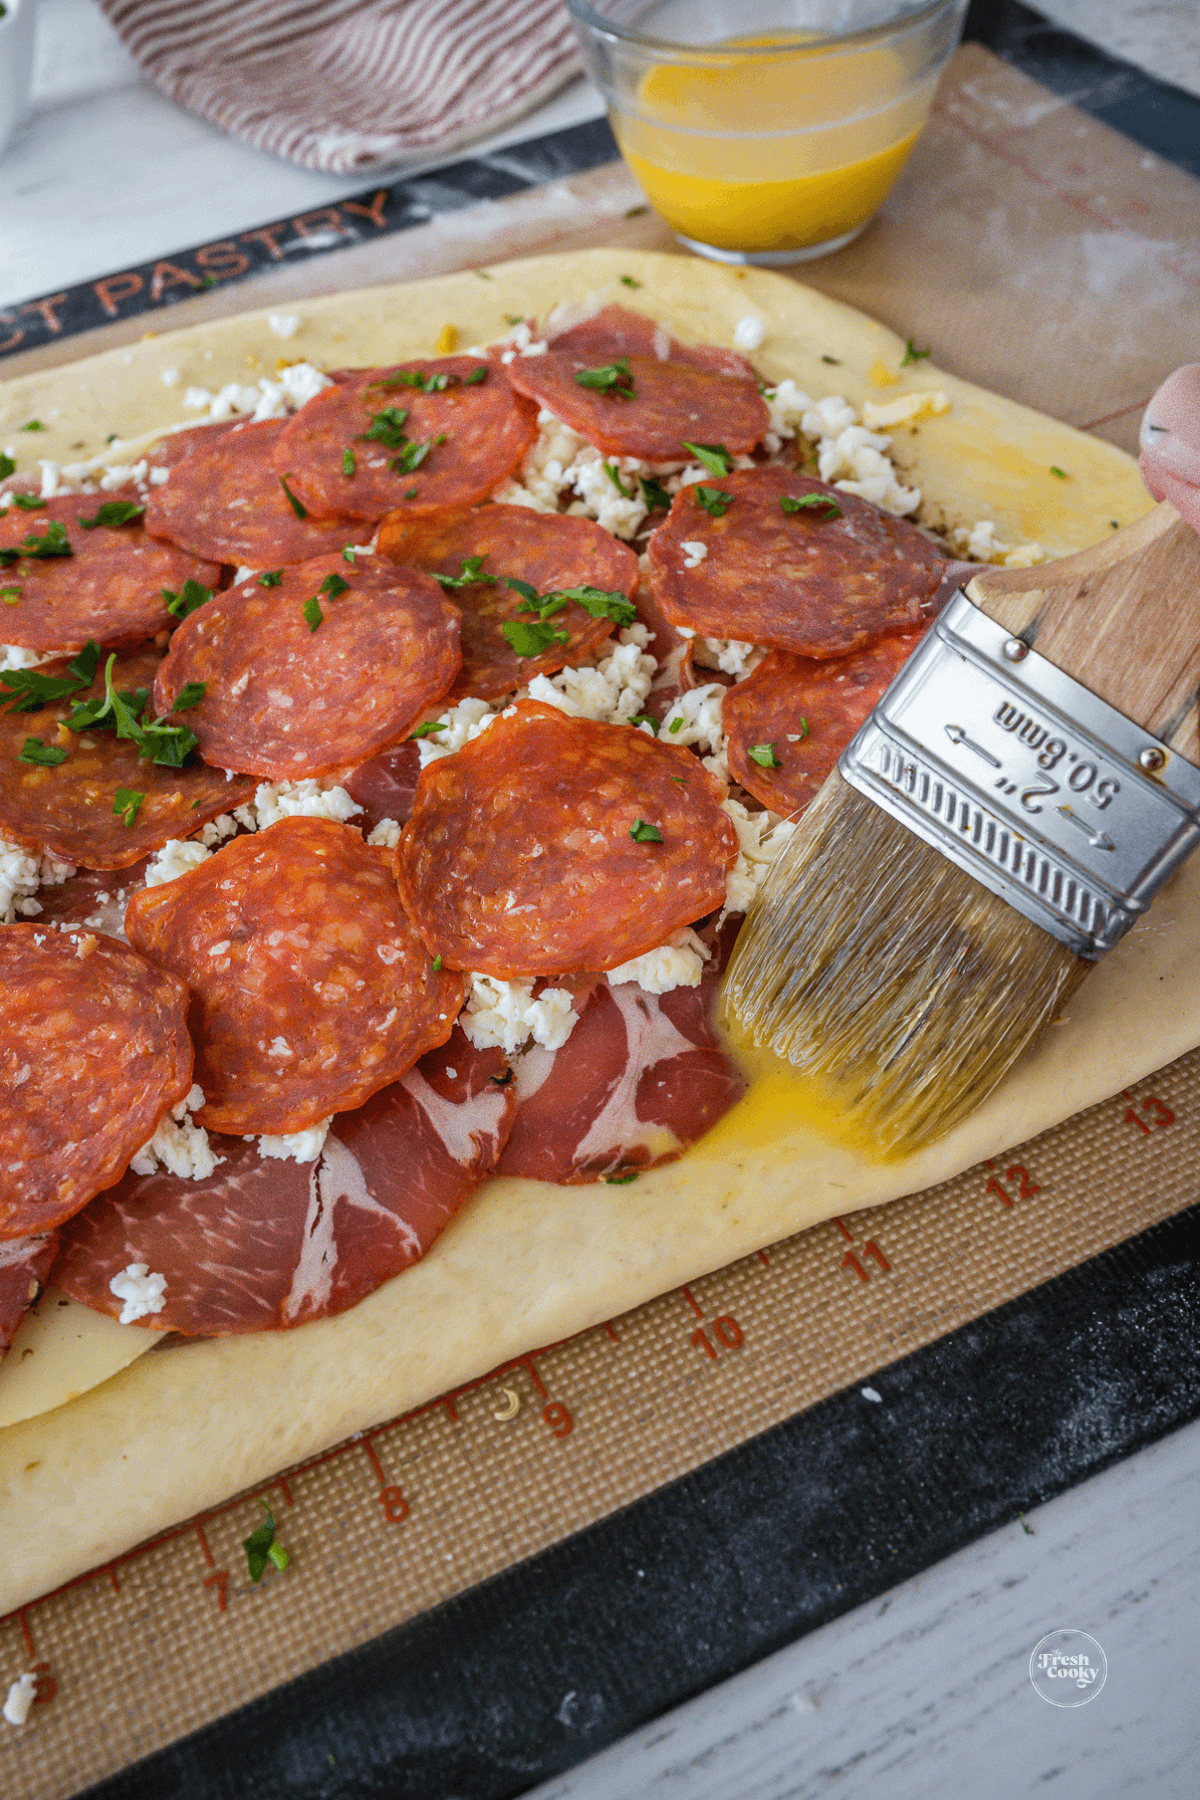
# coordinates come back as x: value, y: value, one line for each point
x: 640, y: 1078
x: 24, y: 1265
x: 651, y: 410
x: 261, y: 1243
x: 67, y: 583
x: 223, y: 501
x: 172, y: 449
x: 799, y: 714
x: 310, y: 988
x: 375, y: 440
x: 72, y: 808
x: 615, y: 331
x: 91, y: 899
x: 546, y: 551
x: 551, y: 844
x: 95, y: 1050
x: 385, y: 786
x: 806, y: 581
x: 330, y: 665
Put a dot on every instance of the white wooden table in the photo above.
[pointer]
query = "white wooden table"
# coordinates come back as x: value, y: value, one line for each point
x: 924, y: 1693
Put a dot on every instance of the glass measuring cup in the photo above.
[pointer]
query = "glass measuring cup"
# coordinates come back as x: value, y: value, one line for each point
x: 767, y: 131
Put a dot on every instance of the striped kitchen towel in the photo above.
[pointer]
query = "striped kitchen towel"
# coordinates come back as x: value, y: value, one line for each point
x: 349, y: 85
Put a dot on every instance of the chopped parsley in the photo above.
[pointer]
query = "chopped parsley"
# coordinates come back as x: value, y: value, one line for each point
x: 614, y: 475
x: 437, y: 965
x: 825, y: 504
x: 181, y: 605
x: 300, y: 510
x: 628, y: 281
x: 1061, y: 473
x: 387, y: 428
x: 29, y: 689
x: 411, y: 494
x: 349, y: 465
x: 33, y: 425
x: 764, y: 755
x: 410, y: 457
x: 28, y: 502
x: 912, y: 354
x: 7, y: 467
x: 10, y: 595
x: 261, y: 1548
x: 125, y: 713
x: 472, y: 572
x: 476, y: 376
x: 514, y: 318
x: 657, y: 498
x: 349, y: 552
x: 676, y: 724
x: 127, y: 804
x: 610, y: 378
x: 333, y: 585
x: 803, y: 731
x: 114, y: 512
x: 417, y: 378
x: 189, y: 695
x: 270, y: 578
x: 44, y: 755
x: 1114, y: 524
x: 426, y: 728
x: 599, y: 602
x: 715, y: 457
x: 835, y: 360
x: 312, y: 613
x: 621, y: 1180
x: 641, y: 833
x: 715, y: 501
x: 53, y: 542
x: 533, y: 639
x: 645, y: 719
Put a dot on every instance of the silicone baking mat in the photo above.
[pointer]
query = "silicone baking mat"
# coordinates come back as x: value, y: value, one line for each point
x: 1014, y: 201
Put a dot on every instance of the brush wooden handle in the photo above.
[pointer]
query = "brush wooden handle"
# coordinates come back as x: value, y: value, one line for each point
x: 1123, y: 618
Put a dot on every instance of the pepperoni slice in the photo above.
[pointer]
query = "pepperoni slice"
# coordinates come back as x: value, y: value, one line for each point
x: 223, y: 501
x: 24, y: 1265
x: 262, y: 1243
x: 324, y: 669
x: 615, y: 331
x: 95, y: 1050
x: 448, y: 447
x: 171, y: 450
x: 110, y: 586
x: 654, y: 411
x: 72, y: 810
x: 519, y: 858
x: 799, y: 714
x: 310, y: 988
x: 548, y: 551
x: 640, y: 1078
x: 816, y: 584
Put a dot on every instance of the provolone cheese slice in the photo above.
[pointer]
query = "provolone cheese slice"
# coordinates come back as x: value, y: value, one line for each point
x: 60, y: 1350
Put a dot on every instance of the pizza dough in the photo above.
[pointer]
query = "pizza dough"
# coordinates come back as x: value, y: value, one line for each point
x: 529, y: 1263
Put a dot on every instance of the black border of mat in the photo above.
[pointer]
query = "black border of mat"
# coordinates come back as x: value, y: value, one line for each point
x: 1163, y: 118
x: 526, y: 1674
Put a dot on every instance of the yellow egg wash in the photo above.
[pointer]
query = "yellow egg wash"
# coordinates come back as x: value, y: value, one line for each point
x: 762, y: 153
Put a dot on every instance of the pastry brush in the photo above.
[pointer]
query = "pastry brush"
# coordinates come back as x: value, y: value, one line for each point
x: 1018, y: 795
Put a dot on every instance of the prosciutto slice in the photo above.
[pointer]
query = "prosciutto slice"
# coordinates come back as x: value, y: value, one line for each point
x: 264, y: 1243
x: 24, y: 1265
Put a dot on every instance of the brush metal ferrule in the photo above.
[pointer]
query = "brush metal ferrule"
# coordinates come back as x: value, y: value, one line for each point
x: 1025, y: 779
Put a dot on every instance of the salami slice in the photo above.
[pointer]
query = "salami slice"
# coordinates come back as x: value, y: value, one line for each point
x: 808, y: 581
x: 310, y: 988
x: 385, y: 786
x: 95, y: 1050
x: 24, y: 1265
x: 107, y: 585
x: 615, y: 331
x: 651, y: 411
x: 261, y: 1244
x: 551, y: 844
x: 84, y: 809
x: 376, y: 441
x: 223, y: 501
x: 640, y: 1078
x: 790, y: 720
x: 330, y: 665
x: 546, y: 551
x: 172, y: 449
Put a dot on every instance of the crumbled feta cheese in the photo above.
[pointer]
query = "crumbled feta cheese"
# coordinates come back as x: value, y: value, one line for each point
x: 562, y: 461
x: 979, y: 543
x: 296, y: 385
x: 158, y: 477
x: 386, y: 833
x: 848, y: 454
x: 677, y: 963
x: 313, y: 798
x: 696, y: 718
x: 120, y: 475
x: 614, y: 692
x: 462, y: 723
x: 727, y: 654
x: 170, y: 377
x: 141, y: 1292
x: 22, y: 872
x: 175, y: 858
x: 21, y: 1696
x: 180, y: 1146
x: 50, y: 478
x: 694, y: 553
x: 749, y: 332
x: 284, y: 325
x: 297, y: 1146
x: 521, y: 342
x: 761, y: 837
x: 504, y: 1015
x: 15, y: 656
x: 904, y: 410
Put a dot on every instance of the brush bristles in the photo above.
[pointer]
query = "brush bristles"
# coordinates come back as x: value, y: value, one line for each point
x: 889, y: 977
